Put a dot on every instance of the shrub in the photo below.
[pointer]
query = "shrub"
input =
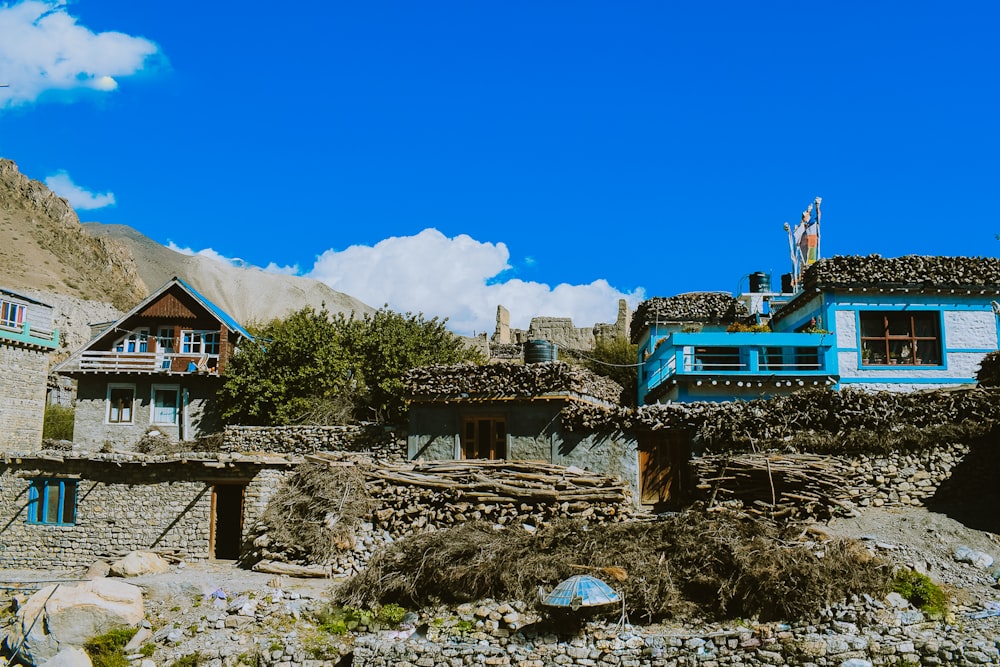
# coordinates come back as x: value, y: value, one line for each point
x: 107, y: 650
x: 58, y: 423
x: 921, y: 592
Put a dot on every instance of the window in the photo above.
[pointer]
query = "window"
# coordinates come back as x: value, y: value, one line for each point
x: 135, y: 341
x: 11, y: 314
x: 484, y: 438
x: 907, y: 338
x: 121, y: 403
x: 52, y: 501
x: 165, y: 404
x: 199, y: 342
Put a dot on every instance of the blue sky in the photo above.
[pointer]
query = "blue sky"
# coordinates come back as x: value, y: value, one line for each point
x: 446, y: 157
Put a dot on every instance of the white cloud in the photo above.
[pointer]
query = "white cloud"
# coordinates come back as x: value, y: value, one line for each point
x: 78, y: 197
x: 457, y: 278
x: 43, y: 48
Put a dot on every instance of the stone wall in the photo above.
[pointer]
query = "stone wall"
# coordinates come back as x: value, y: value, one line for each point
x: 121, y: 507
x: 381, y: 443
x: 23, y: 374
x: 92, y: 432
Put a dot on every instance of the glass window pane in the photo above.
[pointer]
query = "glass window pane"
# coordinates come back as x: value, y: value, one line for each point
x: 52, y: 502
x: 899, y: 324
x: 872, y: 325
x: 69, y: 502
x: 925, y: 325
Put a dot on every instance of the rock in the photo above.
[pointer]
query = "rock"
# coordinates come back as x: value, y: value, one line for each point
x: 97, y: 569
x: 139, y: 563
x: 977, y: 558
x: 138, y: 639
x: 69, y: 657
x: 62, y: 616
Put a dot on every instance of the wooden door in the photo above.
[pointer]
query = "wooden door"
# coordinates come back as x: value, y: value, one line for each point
x: 662, y: 464
x: 484, y: 438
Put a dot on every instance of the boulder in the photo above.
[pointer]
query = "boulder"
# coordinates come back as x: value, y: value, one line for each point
x: 62, y: 616
x: 69, y: 657
x: 138, y: 563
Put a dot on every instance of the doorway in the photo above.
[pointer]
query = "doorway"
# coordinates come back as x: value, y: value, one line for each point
x: 227, y: 521
x: 662, y: 468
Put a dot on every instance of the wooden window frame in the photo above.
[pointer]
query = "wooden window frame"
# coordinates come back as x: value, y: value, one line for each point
x: 40, y: 500
x: 195, y: 341
x: 898, y: 349
x: 12, y: 314
x: 110, y: 404
x: 471, y: 441
x: 176, y: 389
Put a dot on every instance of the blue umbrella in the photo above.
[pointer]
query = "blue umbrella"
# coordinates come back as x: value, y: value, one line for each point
x: 581, y: 590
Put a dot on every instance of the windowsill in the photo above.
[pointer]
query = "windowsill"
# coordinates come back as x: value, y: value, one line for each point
x: 884, y: 366
x: 49, y: 523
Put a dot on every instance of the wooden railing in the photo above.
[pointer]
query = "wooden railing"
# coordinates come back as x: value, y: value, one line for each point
x: 149, y: 362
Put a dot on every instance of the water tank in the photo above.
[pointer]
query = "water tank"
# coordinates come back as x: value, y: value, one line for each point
x: 786, y: 283
x: 760, y: 282
x: 538, y: 351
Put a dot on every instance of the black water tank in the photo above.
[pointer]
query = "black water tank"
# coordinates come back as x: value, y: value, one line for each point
x: 760, y: 282
x: 786, y: 283
x: 538, y: 351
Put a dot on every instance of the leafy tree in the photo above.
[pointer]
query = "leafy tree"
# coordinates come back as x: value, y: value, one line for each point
x: 387, y: 344
x: 314, y: 368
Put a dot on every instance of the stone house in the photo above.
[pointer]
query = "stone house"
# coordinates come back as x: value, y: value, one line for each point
x: 158, y: 367
x: 895, y: 324
x: 68, y: 509
x: 514, y: 411
x: 26, y: 339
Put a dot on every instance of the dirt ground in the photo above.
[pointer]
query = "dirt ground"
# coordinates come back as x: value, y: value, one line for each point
x: 926, y: 541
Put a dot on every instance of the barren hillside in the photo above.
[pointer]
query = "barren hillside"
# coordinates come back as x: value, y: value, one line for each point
x: 93, y: 272
x: 248, y: 294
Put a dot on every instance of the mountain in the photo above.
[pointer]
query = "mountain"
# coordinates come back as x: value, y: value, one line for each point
x: 248, y: 294
x: 93, y: 272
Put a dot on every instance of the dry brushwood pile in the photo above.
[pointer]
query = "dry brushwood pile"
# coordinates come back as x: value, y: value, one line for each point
x: 710, y: 307
x: 315, y: 515
x: 815, y: 420
x: 509, y: 380
x: 800, y: 487
x: 913, y: 270
x: 717, y: 566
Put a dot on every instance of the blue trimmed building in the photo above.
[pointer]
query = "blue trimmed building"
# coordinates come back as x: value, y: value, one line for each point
x: 27, y: 337
x: 875, y: 323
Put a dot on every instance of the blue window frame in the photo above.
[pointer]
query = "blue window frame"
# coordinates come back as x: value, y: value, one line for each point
x: 52, y: 501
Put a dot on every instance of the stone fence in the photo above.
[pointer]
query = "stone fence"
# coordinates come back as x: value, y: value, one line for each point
x: 382, y: 443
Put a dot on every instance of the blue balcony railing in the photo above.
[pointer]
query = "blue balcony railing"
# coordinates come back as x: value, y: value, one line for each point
x: 751, y: 355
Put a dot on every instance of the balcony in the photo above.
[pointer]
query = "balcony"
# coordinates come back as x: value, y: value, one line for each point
x: 738, y: 356
x: 26, y: 335
x: 149, y: 362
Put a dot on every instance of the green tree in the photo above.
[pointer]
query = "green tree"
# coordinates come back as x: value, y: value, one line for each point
x: 386, y: 345
x: 292, y: 368
x: 314, y: 368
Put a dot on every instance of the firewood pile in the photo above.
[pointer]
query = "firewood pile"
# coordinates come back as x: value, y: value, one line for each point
x: 929, y: 271
x: 509, y: 380
x: 775, y: 486
x: 338, y: 509
x: 714, y: 307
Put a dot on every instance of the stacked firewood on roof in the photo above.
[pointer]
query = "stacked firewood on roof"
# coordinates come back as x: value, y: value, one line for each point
x: 508, y: 380
x: 705, y: 307
x: 930, y: 271
x: 816, y: 420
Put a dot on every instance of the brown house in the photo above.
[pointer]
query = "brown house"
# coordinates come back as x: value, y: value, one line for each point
x: 158, y: 368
